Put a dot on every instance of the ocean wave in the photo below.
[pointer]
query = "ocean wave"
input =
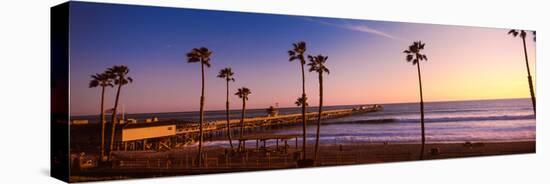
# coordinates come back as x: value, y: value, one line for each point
x: 370, y: 121
x: 475, y: 118
x: 453, y: 111
x: 436, y: 120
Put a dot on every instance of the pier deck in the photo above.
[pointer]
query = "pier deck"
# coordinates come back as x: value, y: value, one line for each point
x: 285, y: 119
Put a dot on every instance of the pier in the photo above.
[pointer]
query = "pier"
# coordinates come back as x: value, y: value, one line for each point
x: 165, y: 135
x: 278, y: 120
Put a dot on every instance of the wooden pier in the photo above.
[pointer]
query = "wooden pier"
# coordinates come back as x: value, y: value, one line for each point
x: 172, y: 134
x: 286, y: 119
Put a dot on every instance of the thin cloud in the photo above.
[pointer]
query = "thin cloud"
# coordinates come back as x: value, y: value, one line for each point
x: 356, y: 27
x: 367, y: 29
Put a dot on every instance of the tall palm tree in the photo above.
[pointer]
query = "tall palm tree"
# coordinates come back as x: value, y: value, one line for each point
x: 414, y: 56
x: 227, y: 74
x: 523, y: 34
x: 202, y: 56
x: 119, y: 74
x: 243, y: 94
x: 102, y: 80
x: 317, y: 64
x: 297, y: 53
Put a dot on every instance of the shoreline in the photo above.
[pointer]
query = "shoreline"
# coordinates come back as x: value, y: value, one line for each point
x: 225, y: 143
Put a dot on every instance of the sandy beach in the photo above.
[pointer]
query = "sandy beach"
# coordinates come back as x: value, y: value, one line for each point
x: 180, y: 161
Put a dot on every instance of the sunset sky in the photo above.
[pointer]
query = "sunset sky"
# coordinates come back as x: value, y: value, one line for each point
x: 365, y: 58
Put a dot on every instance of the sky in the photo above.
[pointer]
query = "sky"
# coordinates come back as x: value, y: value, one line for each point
x: 366, y: 60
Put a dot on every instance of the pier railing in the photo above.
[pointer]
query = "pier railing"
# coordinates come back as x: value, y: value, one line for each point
x: 264, y: 158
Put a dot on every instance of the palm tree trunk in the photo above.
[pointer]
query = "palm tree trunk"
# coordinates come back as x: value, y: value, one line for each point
x: 113, y: 121
x: 242, y: 122
x: 201, y: 117
x: 227, y: 115
x: 421, y: 113
x: 102, y: 114
x: 531, y: 90
x: 303, y: 113
x: 319, y: 116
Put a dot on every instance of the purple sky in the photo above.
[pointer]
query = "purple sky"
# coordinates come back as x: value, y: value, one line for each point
x: 365, y: 58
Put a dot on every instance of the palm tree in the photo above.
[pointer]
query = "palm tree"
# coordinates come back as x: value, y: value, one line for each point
x: 119, y: 75
x: 297, y: 53
x: 271, y: 111
x: 202, y: 56
x: 227, y: 74
x: 317, y: 64
x: 523, y: 34
x: 243, y: 94
x: 301, y: 102
x: 102, y: 80
x: 414, y: 56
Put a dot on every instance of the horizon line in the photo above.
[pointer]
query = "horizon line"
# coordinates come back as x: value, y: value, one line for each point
x: 391, y: 103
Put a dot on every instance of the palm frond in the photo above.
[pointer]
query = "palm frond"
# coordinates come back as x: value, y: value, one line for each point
x: 291, y: 53
x: 413, y: 53
x: 292, y: 58
x: 93, y: 83
x: 193, y: 57
x: 513, y: 32
x: 243, y: 93
x: 118, y: 74
x: 310, y: 58
x: 201, y: 54
x: 409, y: 58
x: 297, y: 52
x: 317, y: 63
x: 221, y: 74
x: 301, y: 101
x: 226, y: 74
x: 96, y: 76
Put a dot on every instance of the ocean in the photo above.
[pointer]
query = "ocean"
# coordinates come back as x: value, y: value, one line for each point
x: 459, y: 121
x: 446, y: 122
